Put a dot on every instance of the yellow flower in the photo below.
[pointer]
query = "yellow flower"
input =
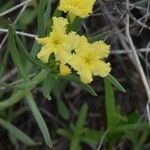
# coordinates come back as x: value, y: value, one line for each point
x: 81, y: 8
x: 58, y: 42
x: 88, y: 60
x: 64, y: 70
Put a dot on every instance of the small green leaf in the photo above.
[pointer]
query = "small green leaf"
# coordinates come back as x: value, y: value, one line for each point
x: 87, y: 87
x: 82, y: 118
x: 27, y: 54
x: 93, y: 135
x: 48, y: 85
x: 113, y: 81
x: 62, y: 108
x: 64, y: 132
x: 57, y: 13
x: 18, y: 134
x: 97, y: 37
x: 75, y: 25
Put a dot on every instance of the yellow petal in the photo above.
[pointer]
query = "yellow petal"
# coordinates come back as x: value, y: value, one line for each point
x: 44, y: 54
x: 42, y: 41
x: 64, y: 70
x: 59, y: 24
x: 101, y: 68
x: 85, y: 75
x: 101, y: 49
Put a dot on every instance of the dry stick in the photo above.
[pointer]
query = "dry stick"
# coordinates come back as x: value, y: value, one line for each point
x: 17, y: 18
x: 113, y: 52
x: 147, y: 64
x: 9, y: 75
x: 14, y: 8
x: 19, y: 33
x: 139, y: 66
x: 147, y: 10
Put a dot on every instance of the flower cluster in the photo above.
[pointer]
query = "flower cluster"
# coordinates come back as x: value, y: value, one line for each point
x: 72, y: 51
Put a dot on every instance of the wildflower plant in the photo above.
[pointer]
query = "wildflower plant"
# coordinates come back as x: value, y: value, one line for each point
x: 60, y: 55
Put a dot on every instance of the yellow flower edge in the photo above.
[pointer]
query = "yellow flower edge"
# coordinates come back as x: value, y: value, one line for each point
x: 64, y: 70
x: 81, y: 8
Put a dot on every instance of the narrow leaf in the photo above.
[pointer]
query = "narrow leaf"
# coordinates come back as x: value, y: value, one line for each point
x: 82, y: 117
x: 87, y: 87
x: 62, y: 108
x: 18, y: 134
x: 27, y: 54
x: 110, y: 105
x: 14, y: 54
x: 41, y: 11
x: 112, y: 80
x: 48, y: 85
x: 97, y: 37
x: 39, y: 119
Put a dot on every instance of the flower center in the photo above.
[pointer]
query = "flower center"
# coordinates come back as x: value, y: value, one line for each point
x: 88, y: 60
x: 57, y: 41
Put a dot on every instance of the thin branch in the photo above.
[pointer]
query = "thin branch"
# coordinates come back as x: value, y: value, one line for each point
x: 139, y: 66
x: 19, y: 33
x: 122, y: 52
x: 17, y: 18
x: 14, y: 8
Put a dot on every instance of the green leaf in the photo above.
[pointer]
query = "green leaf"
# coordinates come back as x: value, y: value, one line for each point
x: 110, y: 105
x: 64, y: 132
x: 97, y: 37
x: 26, y: 18
x: 48, y: 85
x: 14, y: 53
x: 27, y: 54
x: 57, y: 12
x: 92, y: 135
x: 39, y: 119
x: 1, y: 70
x: 18, y: 134
x: 41, y: 11
x: 79, y: 128
x: 113, y: 81
x: 75, y: 25
x: 76, y: 79
x: 62, y: 108
x: 129, y: 127
x: 47, y: 14
x: 82, y: 118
